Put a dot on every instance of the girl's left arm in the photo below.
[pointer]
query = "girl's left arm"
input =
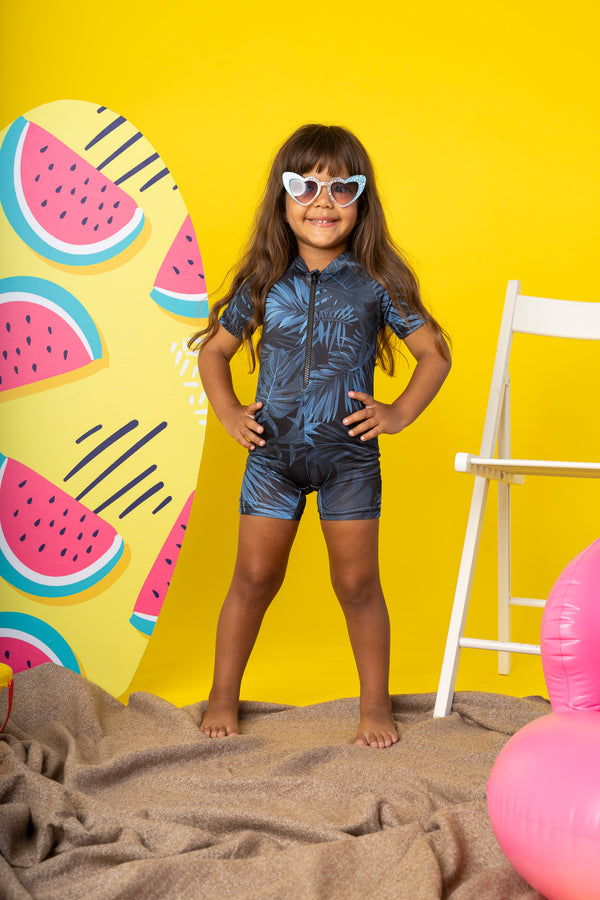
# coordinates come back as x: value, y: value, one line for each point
x: 429, y: 375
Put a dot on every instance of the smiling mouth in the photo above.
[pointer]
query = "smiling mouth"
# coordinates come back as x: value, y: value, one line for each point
x: 322, y: 221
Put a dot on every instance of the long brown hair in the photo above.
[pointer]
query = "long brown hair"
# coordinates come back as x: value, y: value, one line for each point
x: 272, y: 245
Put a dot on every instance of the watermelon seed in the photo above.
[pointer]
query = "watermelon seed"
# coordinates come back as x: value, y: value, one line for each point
x: 18, y: 352
x: 89, y: 549
x: 101, y: 206
x: 95, y: 227
x: 190, y: 262
x: 44, y: 203
x: 29, y: 501
x: 34, y: 367
x: 28, y: 340
x: 23, y: 483
x: 41, y: 547
x: 169, y: 562
x: 49, y: 329
x: 5, y: 354
x: 43, y: 149
x: 28, y: 663
x: 62, y: 531
x: 84, y: 221
x: 58, y: 189
x: 50, y: 167
x: 52, y: 499
x: 28, y: 319
x: 156, y: 594
x: 15, y: 514
x: 109, y: 222
x: 82, y: 519
x: 37, y: 178
x: 87, y: 181
x: 115, y: 205
x: 62, y: 552
x: 83, y: 199
x: 23, y: 536
x: 103, y: 188
x: 52, y: 524
x: 65, y: 354
x: 73, y: 167
x: 8, y: 327
x: 95, y: 534
x: 37, y: 522
x: 80, y: 535
x: 63, y: 214
x: 49, y: 349
x: 176, y: 270
x: 178, y: 546
x: 7, y: 654
x: 65, y: 512
x: 72, y: 191
x: 75, y: 558
x: 188, y: 237
x: 16, y: 370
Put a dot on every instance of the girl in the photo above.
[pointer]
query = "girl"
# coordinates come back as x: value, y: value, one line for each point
x: 325, y: 284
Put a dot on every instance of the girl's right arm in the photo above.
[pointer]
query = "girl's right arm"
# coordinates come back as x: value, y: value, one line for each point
x: 214, y: 360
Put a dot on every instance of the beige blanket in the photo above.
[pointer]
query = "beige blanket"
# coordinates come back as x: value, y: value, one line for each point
x: 105, y: 801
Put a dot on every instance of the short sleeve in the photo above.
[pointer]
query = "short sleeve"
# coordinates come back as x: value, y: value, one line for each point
x: 401, y: 325
x: 237, y: 314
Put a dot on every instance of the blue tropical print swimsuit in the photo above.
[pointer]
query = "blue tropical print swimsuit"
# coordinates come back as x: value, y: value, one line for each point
x: 319, y: 341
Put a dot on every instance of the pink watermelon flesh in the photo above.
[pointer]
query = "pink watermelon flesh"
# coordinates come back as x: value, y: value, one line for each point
x: 151, y: 597
x: 21, y: 654
x: 70, y: 199
x: 181, y: 272
x: 50, y: 537
x: 37, y: 344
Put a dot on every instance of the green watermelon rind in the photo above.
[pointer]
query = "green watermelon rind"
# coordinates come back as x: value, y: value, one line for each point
x: 14, y: 205
x: 40, y: 634
x: 193, y: 306
x: 26, y: 579
x: 60, y: 301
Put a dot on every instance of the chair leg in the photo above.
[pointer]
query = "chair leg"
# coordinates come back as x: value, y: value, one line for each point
x: 504, y: 585
x: 458, y: 618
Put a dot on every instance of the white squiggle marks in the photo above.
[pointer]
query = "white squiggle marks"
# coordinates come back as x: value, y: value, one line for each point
x: 196, y: 397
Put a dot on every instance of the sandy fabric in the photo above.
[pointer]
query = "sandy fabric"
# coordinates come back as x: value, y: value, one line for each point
x: 101, y: 800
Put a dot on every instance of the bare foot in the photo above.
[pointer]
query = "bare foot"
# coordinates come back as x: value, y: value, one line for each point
x: 220, y: 719
x: 376, y: 728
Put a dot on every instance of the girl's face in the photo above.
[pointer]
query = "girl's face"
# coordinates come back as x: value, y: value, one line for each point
x: 322, y: 229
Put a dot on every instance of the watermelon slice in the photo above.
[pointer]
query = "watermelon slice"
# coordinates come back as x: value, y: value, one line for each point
x: 179, y: 286
x: 151, y: 597
x: 58, y: 203
x: 26, y: 641
x: 50, y: 544
x: 45, y: 332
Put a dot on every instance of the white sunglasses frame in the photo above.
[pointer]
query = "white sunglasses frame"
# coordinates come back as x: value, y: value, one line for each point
x: 359, y: 179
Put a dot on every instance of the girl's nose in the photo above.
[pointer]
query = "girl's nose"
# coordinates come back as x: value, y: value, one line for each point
x: 323, y: 197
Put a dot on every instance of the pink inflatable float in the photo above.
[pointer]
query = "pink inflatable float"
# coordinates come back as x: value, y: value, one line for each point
x: 544, y: 789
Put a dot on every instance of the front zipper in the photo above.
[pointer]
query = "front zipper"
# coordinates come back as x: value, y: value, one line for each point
x: 314, y: 277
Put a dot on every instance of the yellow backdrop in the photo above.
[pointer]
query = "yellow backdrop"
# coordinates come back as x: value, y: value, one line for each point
x: 483, y: 125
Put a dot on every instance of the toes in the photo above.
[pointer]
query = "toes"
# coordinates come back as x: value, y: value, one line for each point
x: 361, y: 740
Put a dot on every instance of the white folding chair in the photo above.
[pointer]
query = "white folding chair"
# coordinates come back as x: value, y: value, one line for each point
x: 525, y: 315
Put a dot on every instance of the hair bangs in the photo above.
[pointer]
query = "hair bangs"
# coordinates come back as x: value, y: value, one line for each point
x: 318, y: 148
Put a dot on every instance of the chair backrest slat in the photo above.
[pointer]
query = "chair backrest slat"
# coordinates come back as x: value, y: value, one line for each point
x: 557, y: 318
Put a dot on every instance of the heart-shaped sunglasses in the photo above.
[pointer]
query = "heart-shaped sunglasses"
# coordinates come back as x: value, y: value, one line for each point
x: 342, y: 191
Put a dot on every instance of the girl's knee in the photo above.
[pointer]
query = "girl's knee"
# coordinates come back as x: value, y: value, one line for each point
x: 258, y: 582
x: 356, y: 588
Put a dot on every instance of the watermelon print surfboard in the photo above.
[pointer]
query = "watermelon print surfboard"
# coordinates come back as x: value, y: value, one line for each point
x: 58, y: 203
x: 102, y: 404
x: 45, y: 331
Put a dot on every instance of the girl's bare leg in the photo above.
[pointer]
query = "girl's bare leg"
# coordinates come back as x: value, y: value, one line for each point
x: 354, y: 566
x: 263, y: 549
